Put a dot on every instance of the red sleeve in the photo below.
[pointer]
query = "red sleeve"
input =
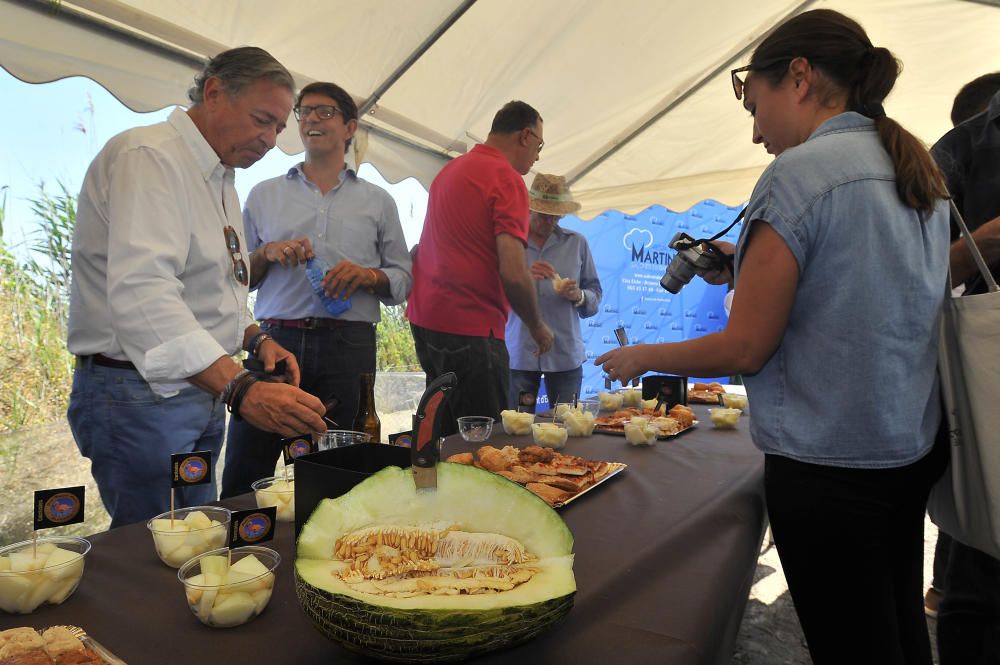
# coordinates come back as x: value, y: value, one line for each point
x: 510, y: 206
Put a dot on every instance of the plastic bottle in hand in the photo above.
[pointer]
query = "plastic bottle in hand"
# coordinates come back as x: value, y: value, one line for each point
x: 316, y: 268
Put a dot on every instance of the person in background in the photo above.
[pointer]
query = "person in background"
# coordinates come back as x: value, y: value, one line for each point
x: 568, y: 290
x: 158, y: 302
x: 320, y: 207
x: 471, y: 266
x: 851, y: 199
x: 968, y: 630
x: 972, y: 99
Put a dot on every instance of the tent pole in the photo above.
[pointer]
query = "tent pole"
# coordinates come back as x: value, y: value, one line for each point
x: 411, y: 59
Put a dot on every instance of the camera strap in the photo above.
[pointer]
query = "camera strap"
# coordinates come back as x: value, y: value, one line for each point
x: 726, y: 259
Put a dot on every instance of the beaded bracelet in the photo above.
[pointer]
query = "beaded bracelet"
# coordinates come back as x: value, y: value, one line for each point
x: 254, y: 346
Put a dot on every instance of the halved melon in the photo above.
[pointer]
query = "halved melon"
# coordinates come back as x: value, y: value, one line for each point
x: 478, y: 564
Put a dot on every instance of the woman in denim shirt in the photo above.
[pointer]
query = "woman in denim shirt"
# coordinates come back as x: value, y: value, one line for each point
x: 841, y: 269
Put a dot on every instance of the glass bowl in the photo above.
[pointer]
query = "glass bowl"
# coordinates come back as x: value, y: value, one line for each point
x: 517, y: 423
x: 224, y: 593
x: 337, y: 438
x: 724, y: 418
x: 475, y: 428
x: 190, y: 534
x: 549, y: 435
x: 48, y: 572
x: 278, y: 492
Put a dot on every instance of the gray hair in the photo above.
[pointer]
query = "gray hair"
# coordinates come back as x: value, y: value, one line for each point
x: 239, y: 68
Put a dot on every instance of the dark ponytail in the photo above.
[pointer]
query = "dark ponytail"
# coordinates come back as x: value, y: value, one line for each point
x: 839, y: 47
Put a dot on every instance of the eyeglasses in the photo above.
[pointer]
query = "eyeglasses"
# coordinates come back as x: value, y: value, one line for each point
x: 240, y: 271
x: 738, y: 83
x: 324, y: 111
x: 541, y: 143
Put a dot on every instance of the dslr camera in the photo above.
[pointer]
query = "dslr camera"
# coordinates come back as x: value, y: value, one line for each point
x: 691, y: 259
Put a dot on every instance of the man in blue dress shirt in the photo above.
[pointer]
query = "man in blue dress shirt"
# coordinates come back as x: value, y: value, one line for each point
x: 568, y: 290
x: 319, y: 208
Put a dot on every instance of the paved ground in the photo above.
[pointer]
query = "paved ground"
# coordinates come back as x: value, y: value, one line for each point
x: 769, y: 634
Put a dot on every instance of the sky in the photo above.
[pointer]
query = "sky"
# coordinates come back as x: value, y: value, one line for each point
x: 49, y: 133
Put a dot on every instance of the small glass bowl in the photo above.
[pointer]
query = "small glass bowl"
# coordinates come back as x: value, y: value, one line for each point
x: 50, y: 575
x: 246, y: 594
x: 724, y: 418
x: 276, y: 491
x: 475, y: 428
x: 338, y: 438
x: 189, y: 536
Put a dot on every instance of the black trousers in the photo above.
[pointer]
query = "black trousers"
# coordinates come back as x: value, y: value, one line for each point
x: 331, y: 361
x: 851, y: 544
x: 481, y: 364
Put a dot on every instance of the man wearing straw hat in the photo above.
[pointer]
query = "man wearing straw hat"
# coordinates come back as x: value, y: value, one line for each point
x: 568, y: 290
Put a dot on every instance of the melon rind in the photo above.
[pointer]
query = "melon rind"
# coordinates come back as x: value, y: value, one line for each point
x: 436, y: 628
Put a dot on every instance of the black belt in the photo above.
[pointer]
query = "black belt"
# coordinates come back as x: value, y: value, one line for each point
x: 104, y: 361
x: 311, y: 323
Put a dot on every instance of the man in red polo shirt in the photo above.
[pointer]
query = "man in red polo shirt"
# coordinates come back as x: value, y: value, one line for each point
x: 470, y: 266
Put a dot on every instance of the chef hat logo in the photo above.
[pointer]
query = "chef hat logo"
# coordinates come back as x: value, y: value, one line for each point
x: 640, y: 238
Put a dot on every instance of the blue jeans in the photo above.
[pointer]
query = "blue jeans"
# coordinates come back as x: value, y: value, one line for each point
x: 481, y: 365
x: 129, y: 433
x: 332, y: 361
x: 968, y: 629
x: 559, y: 386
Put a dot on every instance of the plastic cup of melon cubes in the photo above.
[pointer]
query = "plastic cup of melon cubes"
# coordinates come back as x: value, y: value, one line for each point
x: 278, y: 492
x: 49, y: 572
x: 225, y: 592
x: 549, y: 435
x: 193, y: 531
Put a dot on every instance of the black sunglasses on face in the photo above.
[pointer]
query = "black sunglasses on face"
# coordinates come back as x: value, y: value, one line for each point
x: 738, y: 83
x: 240, y: 271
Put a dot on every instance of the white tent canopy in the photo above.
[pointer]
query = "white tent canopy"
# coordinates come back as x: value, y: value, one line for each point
x: 635, y: 94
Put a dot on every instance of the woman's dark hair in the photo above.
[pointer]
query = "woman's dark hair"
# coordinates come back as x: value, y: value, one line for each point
x: 839, y: 48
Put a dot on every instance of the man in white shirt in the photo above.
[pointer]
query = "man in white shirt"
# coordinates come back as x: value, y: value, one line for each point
x: 159, y: 291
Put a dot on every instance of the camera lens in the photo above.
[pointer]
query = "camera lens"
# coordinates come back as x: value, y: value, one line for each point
x: 679, y: 272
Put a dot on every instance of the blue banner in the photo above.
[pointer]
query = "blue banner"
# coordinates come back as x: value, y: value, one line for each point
x: 631, y: 254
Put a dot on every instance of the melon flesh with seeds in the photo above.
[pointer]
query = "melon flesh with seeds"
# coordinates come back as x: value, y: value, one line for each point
x: 441, y: 575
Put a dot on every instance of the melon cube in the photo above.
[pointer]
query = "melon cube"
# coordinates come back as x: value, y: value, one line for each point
x: 208, y: 594
x: 198, y: 520
x: 232, y: 609
x: 12, y: 589
x: 261, y: 598
x: 62, y: 592
x: 64, y: 564
x: 26, y: 560
x: 215, y: 565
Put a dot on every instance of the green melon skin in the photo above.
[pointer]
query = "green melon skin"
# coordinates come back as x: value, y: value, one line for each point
x: 441, y: 629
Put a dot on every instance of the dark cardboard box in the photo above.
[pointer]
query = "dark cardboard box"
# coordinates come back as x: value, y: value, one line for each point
x: 330, y: 473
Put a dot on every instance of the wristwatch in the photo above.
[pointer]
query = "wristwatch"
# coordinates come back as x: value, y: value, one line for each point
x: 583, y: 299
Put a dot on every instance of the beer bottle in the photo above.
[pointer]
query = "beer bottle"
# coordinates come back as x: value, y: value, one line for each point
x: 367, y: 419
